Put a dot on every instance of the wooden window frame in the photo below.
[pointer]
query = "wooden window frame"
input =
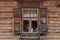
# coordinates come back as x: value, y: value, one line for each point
x: 37, y: 17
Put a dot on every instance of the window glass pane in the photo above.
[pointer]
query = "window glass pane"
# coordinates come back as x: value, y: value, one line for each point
x: 33, y: 13
x: 26, y: 13
x: 30, y: 13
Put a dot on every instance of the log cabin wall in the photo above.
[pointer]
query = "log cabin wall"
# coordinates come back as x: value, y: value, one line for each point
x: 7, y: 18
x: 53, y: 19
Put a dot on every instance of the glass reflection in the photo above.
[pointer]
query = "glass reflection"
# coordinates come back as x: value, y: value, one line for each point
x: 30, y: 13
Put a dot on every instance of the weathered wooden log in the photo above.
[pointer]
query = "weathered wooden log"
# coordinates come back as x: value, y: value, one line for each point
x: 9, y: 37
x: 50, y: 37
x: 6, y: 30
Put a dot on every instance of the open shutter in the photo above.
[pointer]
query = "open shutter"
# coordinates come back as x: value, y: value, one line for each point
x: 16, y: 13
x: 43, y: 21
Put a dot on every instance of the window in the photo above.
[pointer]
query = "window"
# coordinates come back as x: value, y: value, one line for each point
x: 30, y: 19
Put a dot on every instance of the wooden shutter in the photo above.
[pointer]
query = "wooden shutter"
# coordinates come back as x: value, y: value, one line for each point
x: 43, y: 21
x: 16, y: 13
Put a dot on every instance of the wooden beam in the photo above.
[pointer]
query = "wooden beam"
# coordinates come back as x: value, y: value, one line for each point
x: 6, y: 34
x: 9, y: 37
x: 54, y: 31
x: 49, y: 4
x: 5, y: 31
x: 54, y: 10
x: 8, y: 0
x: 49, y: 37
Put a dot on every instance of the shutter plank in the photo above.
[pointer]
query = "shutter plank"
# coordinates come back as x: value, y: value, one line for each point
x: 16, y: 14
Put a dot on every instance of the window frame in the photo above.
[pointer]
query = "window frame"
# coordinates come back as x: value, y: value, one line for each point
x: 37, y: 18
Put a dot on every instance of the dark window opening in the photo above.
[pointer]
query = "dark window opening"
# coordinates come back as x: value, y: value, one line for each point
x: 26, y: 25
x: 34, y: 25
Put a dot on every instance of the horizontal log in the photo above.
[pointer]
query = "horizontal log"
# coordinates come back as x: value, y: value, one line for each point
x: 54, y: 19
x: 50, y: 37
x: 5, y: 8
x: 6, y: 28
x: 53, y: 34
x: 6, y: 14
x: 9, y: 11
x: 58, y: 2
x: 54, y: 10
x: 9, y: 37
x: 53, y: 16
x: 8, y: 2
x: 54, y: 31
x: 49, y: 4
x: 5, y: 22
x: 6, y: 34
x: 6, y: 19
x: 54, y: 22
x: 6, y: 25
x: 6, y: 11
x: 53, y: 28
x: 9, y: 5
x: 5, y: 31
x: 53, y: 13
x: 53, y: 7
x: 54, y: 25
